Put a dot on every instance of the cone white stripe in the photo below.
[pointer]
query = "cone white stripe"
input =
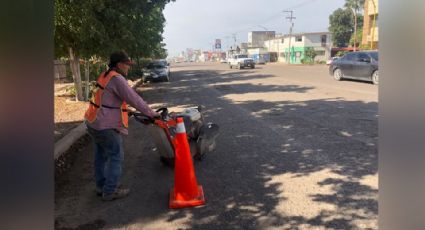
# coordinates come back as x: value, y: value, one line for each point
x: 180, y: 128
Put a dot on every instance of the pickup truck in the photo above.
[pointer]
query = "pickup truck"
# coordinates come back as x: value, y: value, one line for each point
x: 241, y: 61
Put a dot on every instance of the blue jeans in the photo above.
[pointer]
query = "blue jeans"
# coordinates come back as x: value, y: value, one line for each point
x: 108, y: 158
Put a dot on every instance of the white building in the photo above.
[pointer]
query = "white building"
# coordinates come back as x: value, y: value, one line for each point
x: 321, y: 42
x: 257, y: 38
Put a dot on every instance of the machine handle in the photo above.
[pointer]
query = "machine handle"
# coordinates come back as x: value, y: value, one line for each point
x: 142, y: 118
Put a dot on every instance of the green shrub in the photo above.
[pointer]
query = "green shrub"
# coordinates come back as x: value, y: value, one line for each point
x: 310, y: 54
x: 340, y: 53
x: 306, y: 61
x: 71, y: 91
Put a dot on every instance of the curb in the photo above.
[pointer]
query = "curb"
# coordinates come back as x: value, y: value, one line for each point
x: 68, y: 140
x: 63, y: 144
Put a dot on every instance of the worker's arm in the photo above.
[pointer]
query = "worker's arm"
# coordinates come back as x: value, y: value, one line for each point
x: 121, y: 88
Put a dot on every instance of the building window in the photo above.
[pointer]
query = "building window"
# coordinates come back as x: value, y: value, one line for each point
x: 298, y: 38
x: 323, y: 38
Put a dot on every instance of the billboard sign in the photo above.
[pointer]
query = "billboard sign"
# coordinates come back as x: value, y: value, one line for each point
x: 217, y: 44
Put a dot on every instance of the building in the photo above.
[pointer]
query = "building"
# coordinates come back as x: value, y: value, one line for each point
x: 259, y: 55
x: 197, y: 55
x: 257, y: 38
x: 278, y: 47
x: 370, y: 24
x: 244, y: 45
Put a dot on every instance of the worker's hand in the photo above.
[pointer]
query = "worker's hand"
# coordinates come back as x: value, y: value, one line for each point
x: 156, y: 115
x: 131, y: 109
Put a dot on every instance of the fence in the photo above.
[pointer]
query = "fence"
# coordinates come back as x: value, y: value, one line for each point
x: 59, y: 69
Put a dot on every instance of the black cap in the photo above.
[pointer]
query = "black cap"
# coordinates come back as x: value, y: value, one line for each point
x: 119, y: 56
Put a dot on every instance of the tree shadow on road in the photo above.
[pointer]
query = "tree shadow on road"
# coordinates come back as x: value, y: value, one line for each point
x: 279, y: 163
x: 342, y: 158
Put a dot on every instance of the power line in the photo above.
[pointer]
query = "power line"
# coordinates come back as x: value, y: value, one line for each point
x: 276, y: 15
x: 273, y: 17
x: 300, y: 4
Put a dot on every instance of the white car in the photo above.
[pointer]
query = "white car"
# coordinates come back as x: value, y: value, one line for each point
x: 328, y: 62
x: 241, y: 61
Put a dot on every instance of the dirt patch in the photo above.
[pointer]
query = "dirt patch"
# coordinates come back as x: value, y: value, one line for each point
x: 68, y: 114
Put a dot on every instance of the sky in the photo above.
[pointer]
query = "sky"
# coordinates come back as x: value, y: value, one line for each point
x: 197, y: 23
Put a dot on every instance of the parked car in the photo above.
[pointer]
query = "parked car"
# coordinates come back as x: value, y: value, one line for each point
x: 361, y: 65
x: 258, y: 59
x: 328, y: 62
x: 156, y: 71
x: 223, y: 61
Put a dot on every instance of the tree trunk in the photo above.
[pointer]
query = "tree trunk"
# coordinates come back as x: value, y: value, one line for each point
x: 355, y: 29
x: 76, y: 75
x: 87, y: 80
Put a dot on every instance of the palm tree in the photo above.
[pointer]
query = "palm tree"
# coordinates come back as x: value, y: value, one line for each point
x: 355, y: 6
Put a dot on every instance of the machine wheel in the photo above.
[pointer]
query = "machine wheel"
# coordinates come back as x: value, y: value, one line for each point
x: 375, y: 77
x: 167, y: 161
x: 199, y: 157
x: 338, y: 74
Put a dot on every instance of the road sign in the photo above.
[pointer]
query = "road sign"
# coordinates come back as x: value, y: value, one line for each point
x: 217, y: 44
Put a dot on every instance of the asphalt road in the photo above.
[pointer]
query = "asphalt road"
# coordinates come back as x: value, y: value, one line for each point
x: 297, y: 150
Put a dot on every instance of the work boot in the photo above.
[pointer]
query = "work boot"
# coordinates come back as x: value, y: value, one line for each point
x: 119, y: 193
x: 99, y: 191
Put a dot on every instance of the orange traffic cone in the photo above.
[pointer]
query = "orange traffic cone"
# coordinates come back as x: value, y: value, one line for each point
x: 186, y: 191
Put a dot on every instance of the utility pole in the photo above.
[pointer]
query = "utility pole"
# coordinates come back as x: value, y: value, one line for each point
x: 234, y: 39
x: 290, y: 32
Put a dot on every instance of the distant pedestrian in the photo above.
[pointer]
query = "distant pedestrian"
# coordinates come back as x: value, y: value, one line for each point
x: 107, y: 119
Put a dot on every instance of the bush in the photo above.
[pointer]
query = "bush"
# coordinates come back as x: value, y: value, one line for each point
x: 310, y: 54
x: 136, y: 71
x: 306, y: 61
x: 340, y: 53
x: 364, y: 47
x: 95, y: 70
x: 71, y: 91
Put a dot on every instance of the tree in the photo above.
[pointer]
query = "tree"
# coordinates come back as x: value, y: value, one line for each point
x: 95, y: 28
x: 355, y: 6
x: 341, y: 27
x: 310, y: 53
x: 356, y: 38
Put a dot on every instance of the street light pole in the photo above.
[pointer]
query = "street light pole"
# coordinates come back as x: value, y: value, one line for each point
x: 290, y: 32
